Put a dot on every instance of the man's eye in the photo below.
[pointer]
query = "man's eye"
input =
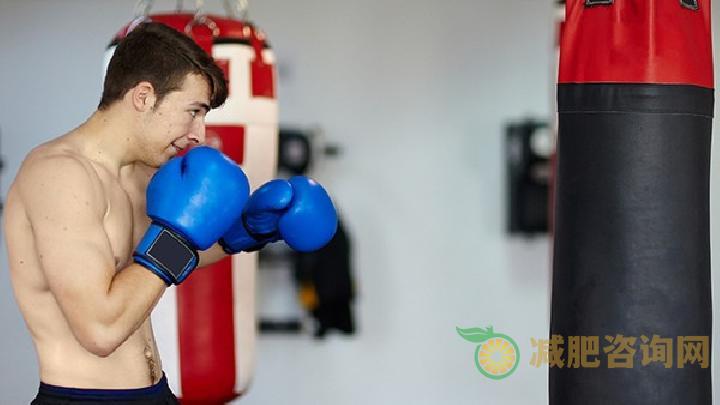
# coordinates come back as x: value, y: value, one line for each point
x: 194, y: 113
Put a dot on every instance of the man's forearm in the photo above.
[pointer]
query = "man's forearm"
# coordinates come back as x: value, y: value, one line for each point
x: 133, y: 293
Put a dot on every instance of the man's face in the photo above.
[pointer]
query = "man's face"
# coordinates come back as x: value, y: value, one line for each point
x: 177, y: 122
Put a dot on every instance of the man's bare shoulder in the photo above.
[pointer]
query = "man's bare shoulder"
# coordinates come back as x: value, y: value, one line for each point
x: 53, y: 170
x: 56, y: 149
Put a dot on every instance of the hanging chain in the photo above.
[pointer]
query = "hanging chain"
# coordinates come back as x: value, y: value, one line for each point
x: 142, y: 8
x: 236, y: 8
x: 201, y: 18
x: 199, y: 6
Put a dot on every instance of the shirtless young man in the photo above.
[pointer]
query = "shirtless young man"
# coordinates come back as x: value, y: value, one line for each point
x: 87, y: 265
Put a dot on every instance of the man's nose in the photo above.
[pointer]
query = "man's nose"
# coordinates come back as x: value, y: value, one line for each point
x: 197, y: 132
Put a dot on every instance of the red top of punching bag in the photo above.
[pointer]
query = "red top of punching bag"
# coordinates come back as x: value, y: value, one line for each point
x: 637, y: 41
x: 207, y: 28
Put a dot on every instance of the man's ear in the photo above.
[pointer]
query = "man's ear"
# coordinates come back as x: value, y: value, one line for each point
x: 143, y: 96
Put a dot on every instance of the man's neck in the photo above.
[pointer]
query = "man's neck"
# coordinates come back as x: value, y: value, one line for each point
x: 107, y: 139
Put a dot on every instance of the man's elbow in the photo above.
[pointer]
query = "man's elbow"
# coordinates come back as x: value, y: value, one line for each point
x: 100, y: 341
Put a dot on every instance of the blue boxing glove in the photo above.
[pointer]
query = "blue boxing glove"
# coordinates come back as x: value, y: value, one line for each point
x: 192, y: 201
x: 298, y: 211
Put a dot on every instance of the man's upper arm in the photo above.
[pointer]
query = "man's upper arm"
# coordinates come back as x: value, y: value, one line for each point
x: 65, y: 205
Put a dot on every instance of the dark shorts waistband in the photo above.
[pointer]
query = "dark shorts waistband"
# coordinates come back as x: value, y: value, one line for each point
x: 156, y: 392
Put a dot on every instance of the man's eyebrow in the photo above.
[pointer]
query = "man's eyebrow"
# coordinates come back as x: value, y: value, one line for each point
x: 203, y: 105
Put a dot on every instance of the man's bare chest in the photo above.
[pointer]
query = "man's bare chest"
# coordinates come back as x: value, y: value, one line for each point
x: 125, y: 220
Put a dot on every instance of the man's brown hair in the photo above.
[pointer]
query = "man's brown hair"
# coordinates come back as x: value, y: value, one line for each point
x: 164, y: 57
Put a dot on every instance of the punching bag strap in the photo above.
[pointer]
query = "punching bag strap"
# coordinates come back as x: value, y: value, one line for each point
x: 261, y: 71
x: 691, y: 4
x: 591, y: 3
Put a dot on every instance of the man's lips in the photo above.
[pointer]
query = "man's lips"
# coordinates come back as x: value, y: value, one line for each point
x: 178, y: 148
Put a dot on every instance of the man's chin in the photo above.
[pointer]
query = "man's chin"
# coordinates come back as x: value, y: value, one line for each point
x: 158, y: 162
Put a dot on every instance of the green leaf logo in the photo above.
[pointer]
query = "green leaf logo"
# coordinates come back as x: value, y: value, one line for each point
x: 475, y: 335
x: 496, y: 356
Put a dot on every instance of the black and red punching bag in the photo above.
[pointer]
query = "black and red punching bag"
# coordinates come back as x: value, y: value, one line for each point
x: 631, y: 300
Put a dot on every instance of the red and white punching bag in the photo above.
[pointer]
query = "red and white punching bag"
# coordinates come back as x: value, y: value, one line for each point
x: 206, y: 327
